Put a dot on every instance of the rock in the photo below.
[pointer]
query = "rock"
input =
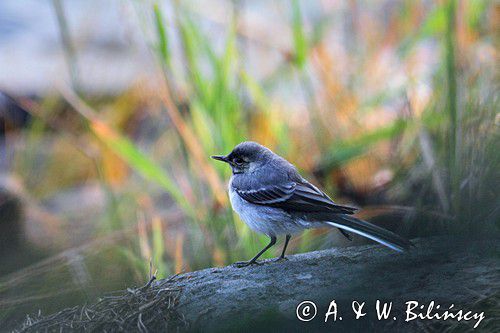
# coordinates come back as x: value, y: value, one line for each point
x: 442, y: 269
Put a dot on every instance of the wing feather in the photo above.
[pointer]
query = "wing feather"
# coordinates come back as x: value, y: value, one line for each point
x: 294, y: 197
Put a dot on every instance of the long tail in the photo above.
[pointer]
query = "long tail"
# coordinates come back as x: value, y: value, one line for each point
x: 378, y: 234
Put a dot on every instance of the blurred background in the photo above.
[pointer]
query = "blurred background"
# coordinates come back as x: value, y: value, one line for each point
x: 109, y: 111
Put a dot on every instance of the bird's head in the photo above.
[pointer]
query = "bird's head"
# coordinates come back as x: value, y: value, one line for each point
x: 246, y: 157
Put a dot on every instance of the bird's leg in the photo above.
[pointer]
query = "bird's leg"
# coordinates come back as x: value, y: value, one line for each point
x: 253, y: 261
x: 282, y: 256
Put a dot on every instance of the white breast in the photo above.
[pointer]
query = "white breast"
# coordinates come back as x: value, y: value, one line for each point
x: 266, y: 220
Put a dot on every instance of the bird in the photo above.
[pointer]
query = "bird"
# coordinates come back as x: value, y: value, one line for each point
x: 272, y: 198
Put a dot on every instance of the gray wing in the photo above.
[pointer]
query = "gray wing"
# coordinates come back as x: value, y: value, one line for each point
x: 298, y: 197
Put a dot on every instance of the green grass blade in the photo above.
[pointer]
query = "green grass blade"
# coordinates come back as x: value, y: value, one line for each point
x: 434, y: 24
x: 451, y: 79
x: 141, y: 163
x: 346, y: 150
x: 163, y: 46
x: 299, y: 36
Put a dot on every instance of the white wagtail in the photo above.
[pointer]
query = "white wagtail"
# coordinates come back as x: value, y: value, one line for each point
x: 272, y: 198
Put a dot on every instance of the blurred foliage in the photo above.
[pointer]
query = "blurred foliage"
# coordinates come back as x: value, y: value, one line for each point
x: 400, y: 116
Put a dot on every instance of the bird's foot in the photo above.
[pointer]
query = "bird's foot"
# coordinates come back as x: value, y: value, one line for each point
x: 280, y: 259
x: 241, y: 264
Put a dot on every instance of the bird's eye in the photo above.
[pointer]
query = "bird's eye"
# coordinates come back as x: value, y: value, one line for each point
x: 238, y: 161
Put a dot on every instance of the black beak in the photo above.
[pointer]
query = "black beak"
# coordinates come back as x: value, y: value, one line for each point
x: 220, y: 158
